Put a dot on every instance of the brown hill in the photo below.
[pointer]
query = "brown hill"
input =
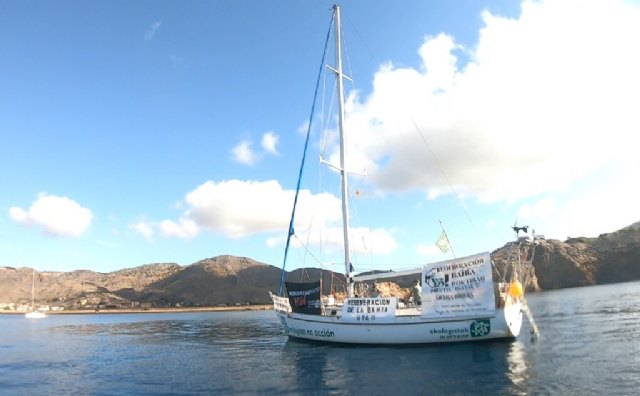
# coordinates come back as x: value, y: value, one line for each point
x: 219, y: 281
x: 230, y: 280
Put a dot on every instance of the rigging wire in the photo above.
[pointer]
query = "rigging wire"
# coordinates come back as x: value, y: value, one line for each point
x: 444, y: 175
x: 364, y: 43
x: 345, y: 49
x: 315, y: 258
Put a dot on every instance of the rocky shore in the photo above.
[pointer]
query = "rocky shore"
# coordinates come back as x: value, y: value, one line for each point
x: 148, y: 311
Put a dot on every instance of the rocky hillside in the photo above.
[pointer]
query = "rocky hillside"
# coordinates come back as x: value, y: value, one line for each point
x: 218, y: 281
x: 230, y: 280
x: 609, y: 258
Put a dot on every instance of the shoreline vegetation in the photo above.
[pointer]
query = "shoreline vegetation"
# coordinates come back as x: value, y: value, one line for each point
x: 149, y: 310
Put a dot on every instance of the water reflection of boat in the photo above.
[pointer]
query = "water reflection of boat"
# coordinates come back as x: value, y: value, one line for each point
x: 517, y: 373
x: 425, y: 369
x: 458, y: 299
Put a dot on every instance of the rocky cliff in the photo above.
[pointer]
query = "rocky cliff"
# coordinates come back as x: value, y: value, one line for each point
x: 230, y: 280
x: 609, y: 258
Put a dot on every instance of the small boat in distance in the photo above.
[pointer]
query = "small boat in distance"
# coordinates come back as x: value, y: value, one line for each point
x: 33, y: 313
x: 454, y: 300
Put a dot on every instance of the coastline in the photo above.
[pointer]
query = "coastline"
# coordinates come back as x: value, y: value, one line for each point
x: 149, y: 310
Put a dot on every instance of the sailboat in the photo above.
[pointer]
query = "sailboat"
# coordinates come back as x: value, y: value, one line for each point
x: 454, y: 300
x: 33, y: 314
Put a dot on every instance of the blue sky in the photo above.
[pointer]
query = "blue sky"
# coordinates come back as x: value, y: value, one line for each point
x: 158, y: 131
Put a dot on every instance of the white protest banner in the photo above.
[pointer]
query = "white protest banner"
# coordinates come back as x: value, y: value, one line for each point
x: 458, y: 288
x: 370, y: 310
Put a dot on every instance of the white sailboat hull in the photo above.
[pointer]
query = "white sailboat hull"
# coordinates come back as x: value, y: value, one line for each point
x: 35, y: 315
x: 505, y: 324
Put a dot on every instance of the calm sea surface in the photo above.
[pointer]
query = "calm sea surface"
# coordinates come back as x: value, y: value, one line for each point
x: 590, y: 344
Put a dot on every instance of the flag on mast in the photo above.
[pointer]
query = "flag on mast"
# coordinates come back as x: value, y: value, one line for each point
x: 443, y: 242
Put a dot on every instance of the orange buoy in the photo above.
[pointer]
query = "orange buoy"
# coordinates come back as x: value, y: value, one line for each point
x: 515, y: 289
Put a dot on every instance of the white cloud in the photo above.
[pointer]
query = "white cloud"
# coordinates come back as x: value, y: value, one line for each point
x: 151, y: 32
x: 232, y: 208
x: 143, y: 228
x: 239, y: 209
x: 183, y: 228
x: 57, y: 216
x: 243, y: 154
x: 546, y: 100
x: 270, y: 142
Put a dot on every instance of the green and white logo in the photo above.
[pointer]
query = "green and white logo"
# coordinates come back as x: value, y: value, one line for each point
x: 480, y: 328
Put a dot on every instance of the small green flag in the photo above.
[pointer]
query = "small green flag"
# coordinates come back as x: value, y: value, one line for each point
x: 443, y: 242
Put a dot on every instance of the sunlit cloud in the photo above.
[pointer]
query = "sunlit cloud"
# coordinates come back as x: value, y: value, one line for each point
x: 270, y: 143
x: 240, y: 209
x: 538, y: 101
x: 545, y: 102
x: 243, y: 153
x: 143, y: 228
x: 184, y: 228
x: 56, y: 216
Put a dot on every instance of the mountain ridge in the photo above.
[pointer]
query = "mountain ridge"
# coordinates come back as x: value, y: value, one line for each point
x: 231, y: 280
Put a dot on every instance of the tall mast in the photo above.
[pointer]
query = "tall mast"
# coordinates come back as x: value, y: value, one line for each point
x: 33, y: 289
x: 343, y: 171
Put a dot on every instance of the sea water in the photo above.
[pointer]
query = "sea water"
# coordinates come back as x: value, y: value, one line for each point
x: 589, y: 344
